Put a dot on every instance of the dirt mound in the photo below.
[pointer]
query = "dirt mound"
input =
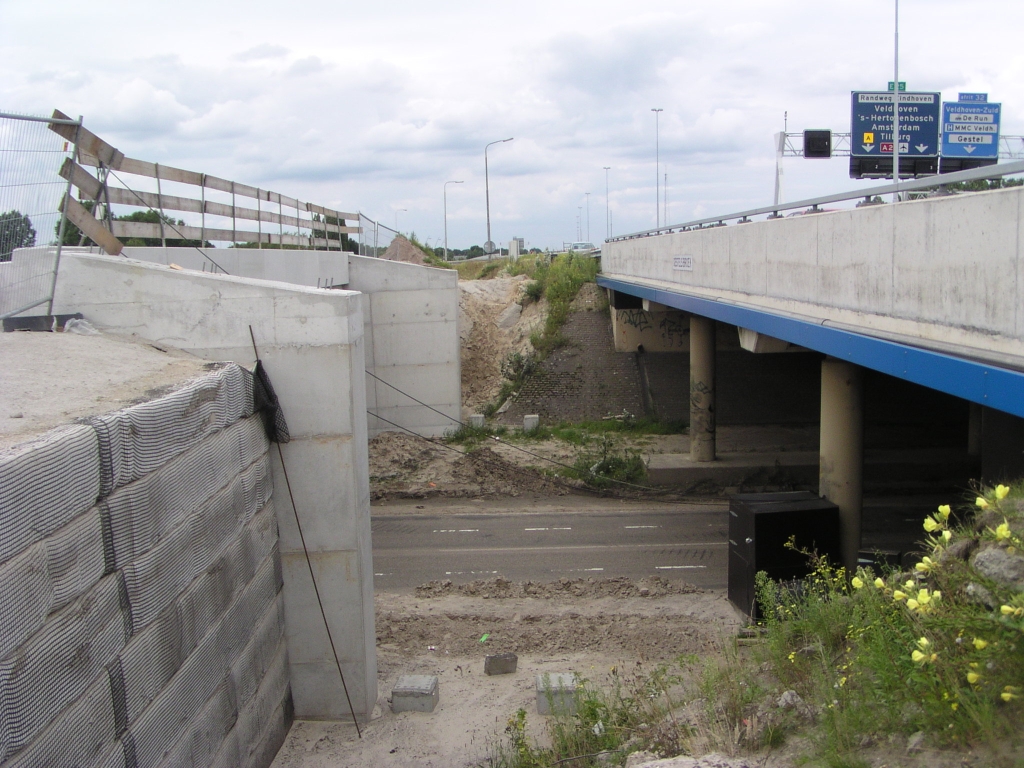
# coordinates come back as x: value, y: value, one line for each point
x: 462, y: 634
x: 402, y: 250
x: 499, y: 588
x: 403, y: 466
x: 492, y: 325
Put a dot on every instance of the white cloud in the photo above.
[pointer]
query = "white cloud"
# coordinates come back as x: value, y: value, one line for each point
x: 374, y: 107
x: 261, y: 52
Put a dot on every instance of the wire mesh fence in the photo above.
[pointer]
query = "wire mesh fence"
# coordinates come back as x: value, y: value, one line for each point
x: 374, y: 238
x: 31, y: 190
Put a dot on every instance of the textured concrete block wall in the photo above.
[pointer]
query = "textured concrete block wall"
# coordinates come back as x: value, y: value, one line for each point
x: 141, y: 620
x: 311, y: 343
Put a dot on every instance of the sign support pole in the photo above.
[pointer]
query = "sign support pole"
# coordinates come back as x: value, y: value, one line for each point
x: 896, y: 108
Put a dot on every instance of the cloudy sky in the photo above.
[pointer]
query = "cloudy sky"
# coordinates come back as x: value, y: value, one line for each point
x: 373, y: 106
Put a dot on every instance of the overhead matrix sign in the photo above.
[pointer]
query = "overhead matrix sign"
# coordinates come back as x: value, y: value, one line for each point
x: 871, y: 124
x: 970, y: 127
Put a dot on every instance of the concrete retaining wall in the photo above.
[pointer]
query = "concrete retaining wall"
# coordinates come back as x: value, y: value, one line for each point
x: 139, y: 552
x: 409, y: 324
x: 311, y: 342
x: 412, y: 342
x: 943, y: 269
x: 26, y: 278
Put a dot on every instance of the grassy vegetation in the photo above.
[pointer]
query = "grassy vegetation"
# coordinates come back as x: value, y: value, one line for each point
x: 558, y: 281
x: 605, y: 451
x: 479, y: 270
x: 840, y: 663
x: 608, y: 724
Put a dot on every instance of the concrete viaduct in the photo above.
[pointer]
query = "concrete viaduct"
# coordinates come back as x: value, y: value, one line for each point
x: 930, y: 291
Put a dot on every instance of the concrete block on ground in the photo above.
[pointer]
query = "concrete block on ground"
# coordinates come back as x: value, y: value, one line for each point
x: 531, y: 422
x: 477, y: 421
x: 415, y: 693
x: 500, y: 664
x: 556, y: 693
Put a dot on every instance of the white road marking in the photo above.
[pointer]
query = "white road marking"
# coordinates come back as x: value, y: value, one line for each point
x: 456, y: 530
x: 547, y: 529
x: 678, y: 567
x: 640, y: 526
x: 471, y: 573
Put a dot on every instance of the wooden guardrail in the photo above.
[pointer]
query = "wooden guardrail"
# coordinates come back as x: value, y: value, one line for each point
x: 273, y: 211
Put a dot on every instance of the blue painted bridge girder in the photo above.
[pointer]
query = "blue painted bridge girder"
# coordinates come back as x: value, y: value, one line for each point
x: 989, y: 385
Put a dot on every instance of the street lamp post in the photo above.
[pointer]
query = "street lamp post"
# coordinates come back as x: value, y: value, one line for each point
x: 607, y: 206
x: 657, y: 170
x: 445, y: 188
x: 487, y: 192
x: 588, y: 216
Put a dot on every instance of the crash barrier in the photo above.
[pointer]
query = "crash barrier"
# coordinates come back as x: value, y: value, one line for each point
x: 141, y: 615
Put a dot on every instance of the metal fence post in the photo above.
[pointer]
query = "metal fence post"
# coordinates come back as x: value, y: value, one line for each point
x: 63, y: 224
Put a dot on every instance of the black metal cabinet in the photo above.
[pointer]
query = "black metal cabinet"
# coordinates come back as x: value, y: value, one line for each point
x: 760, y: 524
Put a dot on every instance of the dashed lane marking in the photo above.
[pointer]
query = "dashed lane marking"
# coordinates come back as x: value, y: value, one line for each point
x: 678, y: 567
x: 456, y: 530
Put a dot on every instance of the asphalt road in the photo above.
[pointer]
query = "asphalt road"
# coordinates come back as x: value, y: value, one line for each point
x: 685, y: 544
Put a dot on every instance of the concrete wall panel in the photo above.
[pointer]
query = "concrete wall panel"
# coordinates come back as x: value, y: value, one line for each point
x: 298, y: 267
x: 960, y: 269
x: 435, y: 381
x: 415, y: 306
x: 415, y: 344
x: 945, y: 269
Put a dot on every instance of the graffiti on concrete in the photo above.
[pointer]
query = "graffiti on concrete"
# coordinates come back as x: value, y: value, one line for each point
x: 675, y: 330
x: 636, y: 318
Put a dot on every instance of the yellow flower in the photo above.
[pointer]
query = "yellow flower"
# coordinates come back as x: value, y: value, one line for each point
x: 944, y: 511
x: 954, y: 706
x: 910, y: 584
x: 792, y: 657
x: 925, y: 565
x: 1003, y: 530
x: 946, y: 536
x: 973, y: 678
x: 1007, y: 696
x: 980, y: 644
x: 980, y: 503
x: 918, y: 657
x: 931, y: 525
x: 912, y: 604
x: 879, y: 583
x: 1001, y: 492
x: 924, y: 643
x: 857, y: 583
x: 1009, y: 610
x: 897, y: 595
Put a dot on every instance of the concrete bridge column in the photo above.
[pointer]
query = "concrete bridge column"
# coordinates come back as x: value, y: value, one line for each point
x: 702, y: 388
x: 841, y: 463
x: 974, y: 433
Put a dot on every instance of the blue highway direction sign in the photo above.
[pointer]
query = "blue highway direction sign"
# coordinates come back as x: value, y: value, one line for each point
x: 970, y: 129
x: 871, y: 124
